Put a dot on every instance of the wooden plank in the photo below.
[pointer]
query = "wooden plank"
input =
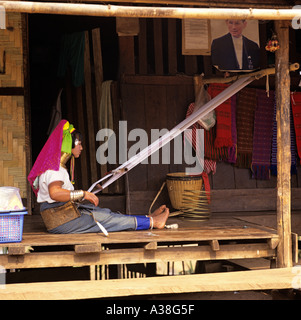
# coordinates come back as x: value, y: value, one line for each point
x: 89, y: 110
x: 133, y: 106
x: 243, y: 199
x: 172, y: 46
x: 158, y: 46
x: 214, y: 245
x: 98, y: 70
x: 224, y: 177
x: 13, y: 251
x: 142, y: 45
x: 201, y: 232
x: 85, y: 173
x: 295, y: 248
x: 97, y: 59
x: 126, y: 55
x: 250, y: 200
x: 27, y: 109
x: 191, y: 65
x: 151, y: 246
x: 252, y: 264
x: 226, y: 281
x: 273, y: 243
x: 87, y: 248
x: 158, y: 80
x: 282, y: 85
x: 118, y: 186
x: 156, y: 115
x: 137, y: 255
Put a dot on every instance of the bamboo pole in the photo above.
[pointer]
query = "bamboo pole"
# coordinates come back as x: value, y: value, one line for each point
x: 149, y: 12
x: 282, y: 79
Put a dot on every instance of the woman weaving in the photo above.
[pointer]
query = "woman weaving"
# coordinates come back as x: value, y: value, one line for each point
x: 60, y: 205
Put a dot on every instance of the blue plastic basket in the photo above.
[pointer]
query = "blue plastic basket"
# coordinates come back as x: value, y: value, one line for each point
x: 11, y: 226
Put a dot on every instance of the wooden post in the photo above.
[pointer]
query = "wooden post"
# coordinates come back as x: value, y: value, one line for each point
x: 284, y: 249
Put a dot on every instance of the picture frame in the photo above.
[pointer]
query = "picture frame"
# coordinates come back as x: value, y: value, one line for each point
x: 196, y: 37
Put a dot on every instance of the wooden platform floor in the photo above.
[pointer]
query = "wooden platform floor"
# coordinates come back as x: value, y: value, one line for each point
x: 229, y: 228
x: 217, y: 238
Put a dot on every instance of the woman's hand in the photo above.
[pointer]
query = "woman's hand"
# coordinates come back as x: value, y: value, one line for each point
x: 92, y: 198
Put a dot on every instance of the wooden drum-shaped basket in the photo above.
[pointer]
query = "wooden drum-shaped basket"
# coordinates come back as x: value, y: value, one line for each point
x: 177, y: 183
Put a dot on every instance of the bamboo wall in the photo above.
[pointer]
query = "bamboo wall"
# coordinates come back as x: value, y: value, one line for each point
x: 12, y: 104
x: 11, y: 41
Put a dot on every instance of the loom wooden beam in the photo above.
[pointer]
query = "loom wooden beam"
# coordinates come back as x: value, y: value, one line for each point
x: 282, y: 85
x: 199, y: 80
x: 149, y: 12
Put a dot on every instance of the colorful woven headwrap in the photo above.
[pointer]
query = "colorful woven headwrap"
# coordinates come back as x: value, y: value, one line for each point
x: 67, y: 138
x: 49, y: 158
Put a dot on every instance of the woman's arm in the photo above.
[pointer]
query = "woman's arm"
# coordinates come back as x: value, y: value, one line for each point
x: 57, y: 193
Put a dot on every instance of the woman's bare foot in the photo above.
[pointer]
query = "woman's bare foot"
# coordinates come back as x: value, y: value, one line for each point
x: 160, y: 219
x: 158, y: 211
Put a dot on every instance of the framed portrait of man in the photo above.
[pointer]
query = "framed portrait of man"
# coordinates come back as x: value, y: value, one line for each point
x: 235, y: 45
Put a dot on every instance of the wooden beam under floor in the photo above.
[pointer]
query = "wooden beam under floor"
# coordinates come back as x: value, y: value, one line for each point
x: 211, y: 282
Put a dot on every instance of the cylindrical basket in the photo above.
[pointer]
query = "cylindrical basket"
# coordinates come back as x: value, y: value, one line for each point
x: 177, y: 183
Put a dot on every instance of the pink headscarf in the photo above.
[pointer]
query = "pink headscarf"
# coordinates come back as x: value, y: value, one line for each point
x: 49, y: 157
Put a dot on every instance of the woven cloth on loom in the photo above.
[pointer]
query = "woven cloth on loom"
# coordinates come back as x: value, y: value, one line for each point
x: 232, y: 151
x: 262, y: 139
x: 245, y: 110
x: 274, y: 145
x: 223, y: 117
x: 209, y: 165
x: 296, y: 109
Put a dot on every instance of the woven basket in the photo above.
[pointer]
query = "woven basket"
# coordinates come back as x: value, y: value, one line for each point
x: 195, y: 205
x: 179, y: 182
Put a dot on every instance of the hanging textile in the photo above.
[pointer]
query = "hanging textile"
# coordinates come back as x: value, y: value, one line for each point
x: 223, y: 117
x: 211, y: 152
x: 274, y: 145
x: 296, y: 108
x: 262, y: 139
x: 72, y: 53
x: 232, y: 151
x: 245, y: 109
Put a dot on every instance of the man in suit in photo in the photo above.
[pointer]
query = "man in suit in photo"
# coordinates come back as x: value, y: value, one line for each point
x: 234, y: 51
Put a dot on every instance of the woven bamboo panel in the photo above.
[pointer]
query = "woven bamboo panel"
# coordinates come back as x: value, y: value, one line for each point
x: 12, y: 143
x: 11, y: 52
